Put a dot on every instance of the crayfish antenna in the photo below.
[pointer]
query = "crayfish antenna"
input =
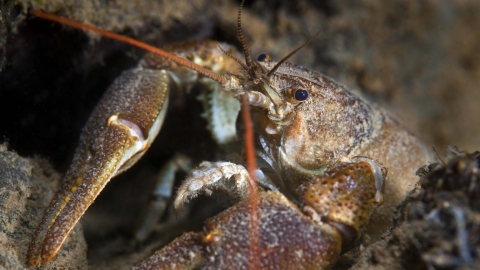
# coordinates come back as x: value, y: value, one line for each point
x: 233, y: 57
x: 290, y: 54
x: 78, y: 25
x: 248, y: 60
x: 254, y: 260
x: 253, y: 250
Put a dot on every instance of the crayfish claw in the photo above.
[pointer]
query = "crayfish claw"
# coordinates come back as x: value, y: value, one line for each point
x: 345, y: 196
x: 115, y: 137
x: 210, y: 175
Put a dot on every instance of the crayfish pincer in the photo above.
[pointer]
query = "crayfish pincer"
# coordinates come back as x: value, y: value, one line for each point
x: 334, y: 209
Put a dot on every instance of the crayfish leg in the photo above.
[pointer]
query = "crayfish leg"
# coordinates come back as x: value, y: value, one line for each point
x: 161, y: 195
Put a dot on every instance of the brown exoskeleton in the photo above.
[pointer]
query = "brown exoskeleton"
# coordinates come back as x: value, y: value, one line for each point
x: 324, y: 143
x: 334, y: 210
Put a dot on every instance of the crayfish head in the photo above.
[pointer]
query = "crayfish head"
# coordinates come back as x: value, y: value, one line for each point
x: 308, y: 119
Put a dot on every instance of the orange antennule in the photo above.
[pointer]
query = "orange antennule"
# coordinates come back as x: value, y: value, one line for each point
x: 75, y: 24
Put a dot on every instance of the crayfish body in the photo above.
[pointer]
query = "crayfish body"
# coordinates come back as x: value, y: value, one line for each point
x: 319, y: 144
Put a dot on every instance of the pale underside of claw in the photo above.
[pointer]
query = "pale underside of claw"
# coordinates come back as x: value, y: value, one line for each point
x: 378, y: 175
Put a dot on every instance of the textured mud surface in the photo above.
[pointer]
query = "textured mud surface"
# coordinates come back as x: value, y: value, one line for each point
x: 26, y: 188
x: 418, y: 58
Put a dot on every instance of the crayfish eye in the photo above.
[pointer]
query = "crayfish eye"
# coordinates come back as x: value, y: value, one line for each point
x: 300, y: 95
x: 264, y: 58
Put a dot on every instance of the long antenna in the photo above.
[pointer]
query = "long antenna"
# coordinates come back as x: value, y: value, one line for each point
x: 290, y: 54
x: 248, y: 60
x: 254, y: 237
x: 78, y: 25
x: 233, y: 57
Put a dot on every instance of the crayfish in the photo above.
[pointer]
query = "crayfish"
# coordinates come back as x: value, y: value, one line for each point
x: 327, y: 149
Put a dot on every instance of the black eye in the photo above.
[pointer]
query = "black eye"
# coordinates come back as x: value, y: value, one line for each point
x: 301, y: 95
x: 264, y: 58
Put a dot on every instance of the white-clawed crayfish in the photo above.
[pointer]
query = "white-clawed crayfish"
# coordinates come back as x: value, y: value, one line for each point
x: 329, y: 149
